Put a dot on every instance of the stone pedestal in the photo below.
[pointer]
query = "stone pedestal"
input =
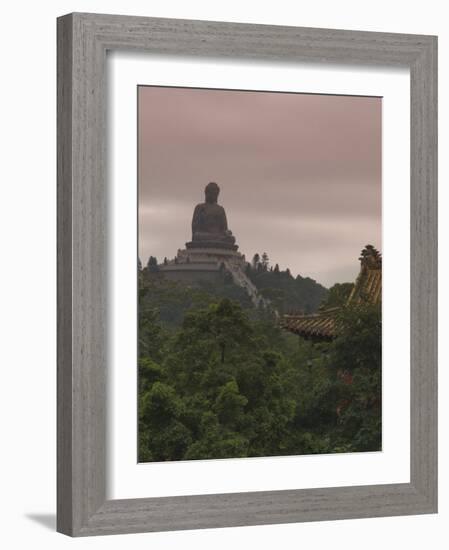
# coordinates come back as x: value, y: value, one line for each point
x: 199, y: 264
x: 212, y: 252
x: 216, y: 245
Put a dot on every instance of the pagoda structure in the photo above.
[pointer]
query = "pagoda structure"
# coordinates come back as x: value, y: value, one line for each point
x: 322, y: 326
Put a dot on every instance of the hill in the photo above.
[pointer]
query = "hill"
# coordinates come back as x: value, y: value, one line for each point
x: 284, y: 292
x: 173, y: 299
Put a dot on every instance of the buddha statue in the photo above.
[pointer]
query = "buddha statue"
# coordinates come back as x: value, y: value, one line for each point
x: 209, y: 224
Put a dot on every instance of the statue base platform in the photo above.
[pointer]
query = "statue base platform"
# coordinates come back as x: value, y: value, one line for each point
x: 202, y: 263
x: 211, y: 264
x: 211, y: 244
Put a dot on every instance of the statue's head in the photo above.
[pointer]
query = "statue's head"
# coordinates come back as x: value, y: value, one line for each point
x: 211, y: 191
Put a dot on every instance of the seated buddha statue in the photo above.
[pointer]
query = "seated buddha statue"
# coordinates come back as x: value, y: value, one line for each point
x: 209, y: 224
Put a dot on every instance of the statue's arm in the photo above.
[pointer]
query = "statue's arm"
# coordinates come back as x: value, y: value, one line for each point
x: 225, y: 221
x: 196, y: 219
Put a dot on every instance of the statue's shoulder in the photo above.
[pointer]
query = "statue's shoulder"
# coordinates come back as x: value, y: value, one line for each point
x: 198, y: 212
x: 206, y: 206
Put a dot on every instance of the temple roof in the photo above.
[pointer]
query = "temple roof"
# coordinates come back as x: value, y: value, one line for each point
x: 316, y: 326
x: 367, y: 290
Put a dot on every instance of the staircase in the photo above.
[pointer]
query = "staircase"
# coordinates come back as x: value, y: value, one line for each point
x: 241, y: 279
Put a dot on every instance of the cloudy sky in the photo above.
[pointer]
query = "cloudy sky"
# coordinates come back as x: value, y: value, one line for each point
x: 300, y: 174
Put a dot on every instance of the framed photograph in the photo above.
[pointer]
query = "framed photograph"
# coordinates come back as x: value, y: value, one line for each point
x: 247, y: 281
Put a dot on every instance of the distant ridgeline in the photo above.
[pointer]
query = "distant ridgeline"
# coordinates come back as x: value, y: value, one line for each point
x: 210, y: 267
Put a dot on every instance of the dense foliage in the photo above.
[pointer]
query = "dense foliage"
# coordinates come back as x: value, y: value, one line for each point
x: 172, y: 299
x: 218, y: 381
x: 337, y: 295
x: 285, y: 292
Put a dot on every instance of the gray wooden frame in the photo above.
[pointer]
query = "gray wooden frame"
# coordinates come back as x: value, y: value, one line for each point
x: 83, y: 40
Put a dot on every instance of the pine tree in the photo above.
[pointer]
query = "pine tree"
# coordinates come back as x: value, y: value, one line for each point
x: 265, y: 261
x: 152, y: 264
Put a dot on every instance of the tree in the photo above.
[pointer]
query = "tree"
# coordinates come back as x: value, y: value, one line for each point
x: 218, y: 380
x: 229, y: 404
x: 152, y: 264
x: 285, y: 292
x: 359, y: 344
x: 337, y: 295
x: 357, y: 359
x: 151, y: 333
x: 218, y: 389
x: 225, y: 322
x: 165, y: 436
x: 256, y: 260
x: 265, y: 261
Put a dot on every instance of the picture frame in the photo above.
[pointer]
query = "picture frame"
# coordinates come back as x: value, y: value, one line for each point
x: 83, y: 40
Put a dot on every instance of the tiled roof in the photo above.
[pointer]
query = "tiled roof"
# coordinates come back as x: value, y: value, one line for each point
x: 317, y: 326
x: 368, y: 285
x: 367, y: 289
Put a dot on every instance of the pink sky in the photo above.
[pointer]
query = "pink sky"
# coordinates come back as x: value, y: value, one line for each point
x: 300, y: 174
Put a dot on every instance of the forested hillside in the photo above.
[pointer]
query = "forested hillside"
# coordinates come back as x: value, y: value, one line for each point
x: 173, y: 299
x: 218, y: 379
x: 285, y: 292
